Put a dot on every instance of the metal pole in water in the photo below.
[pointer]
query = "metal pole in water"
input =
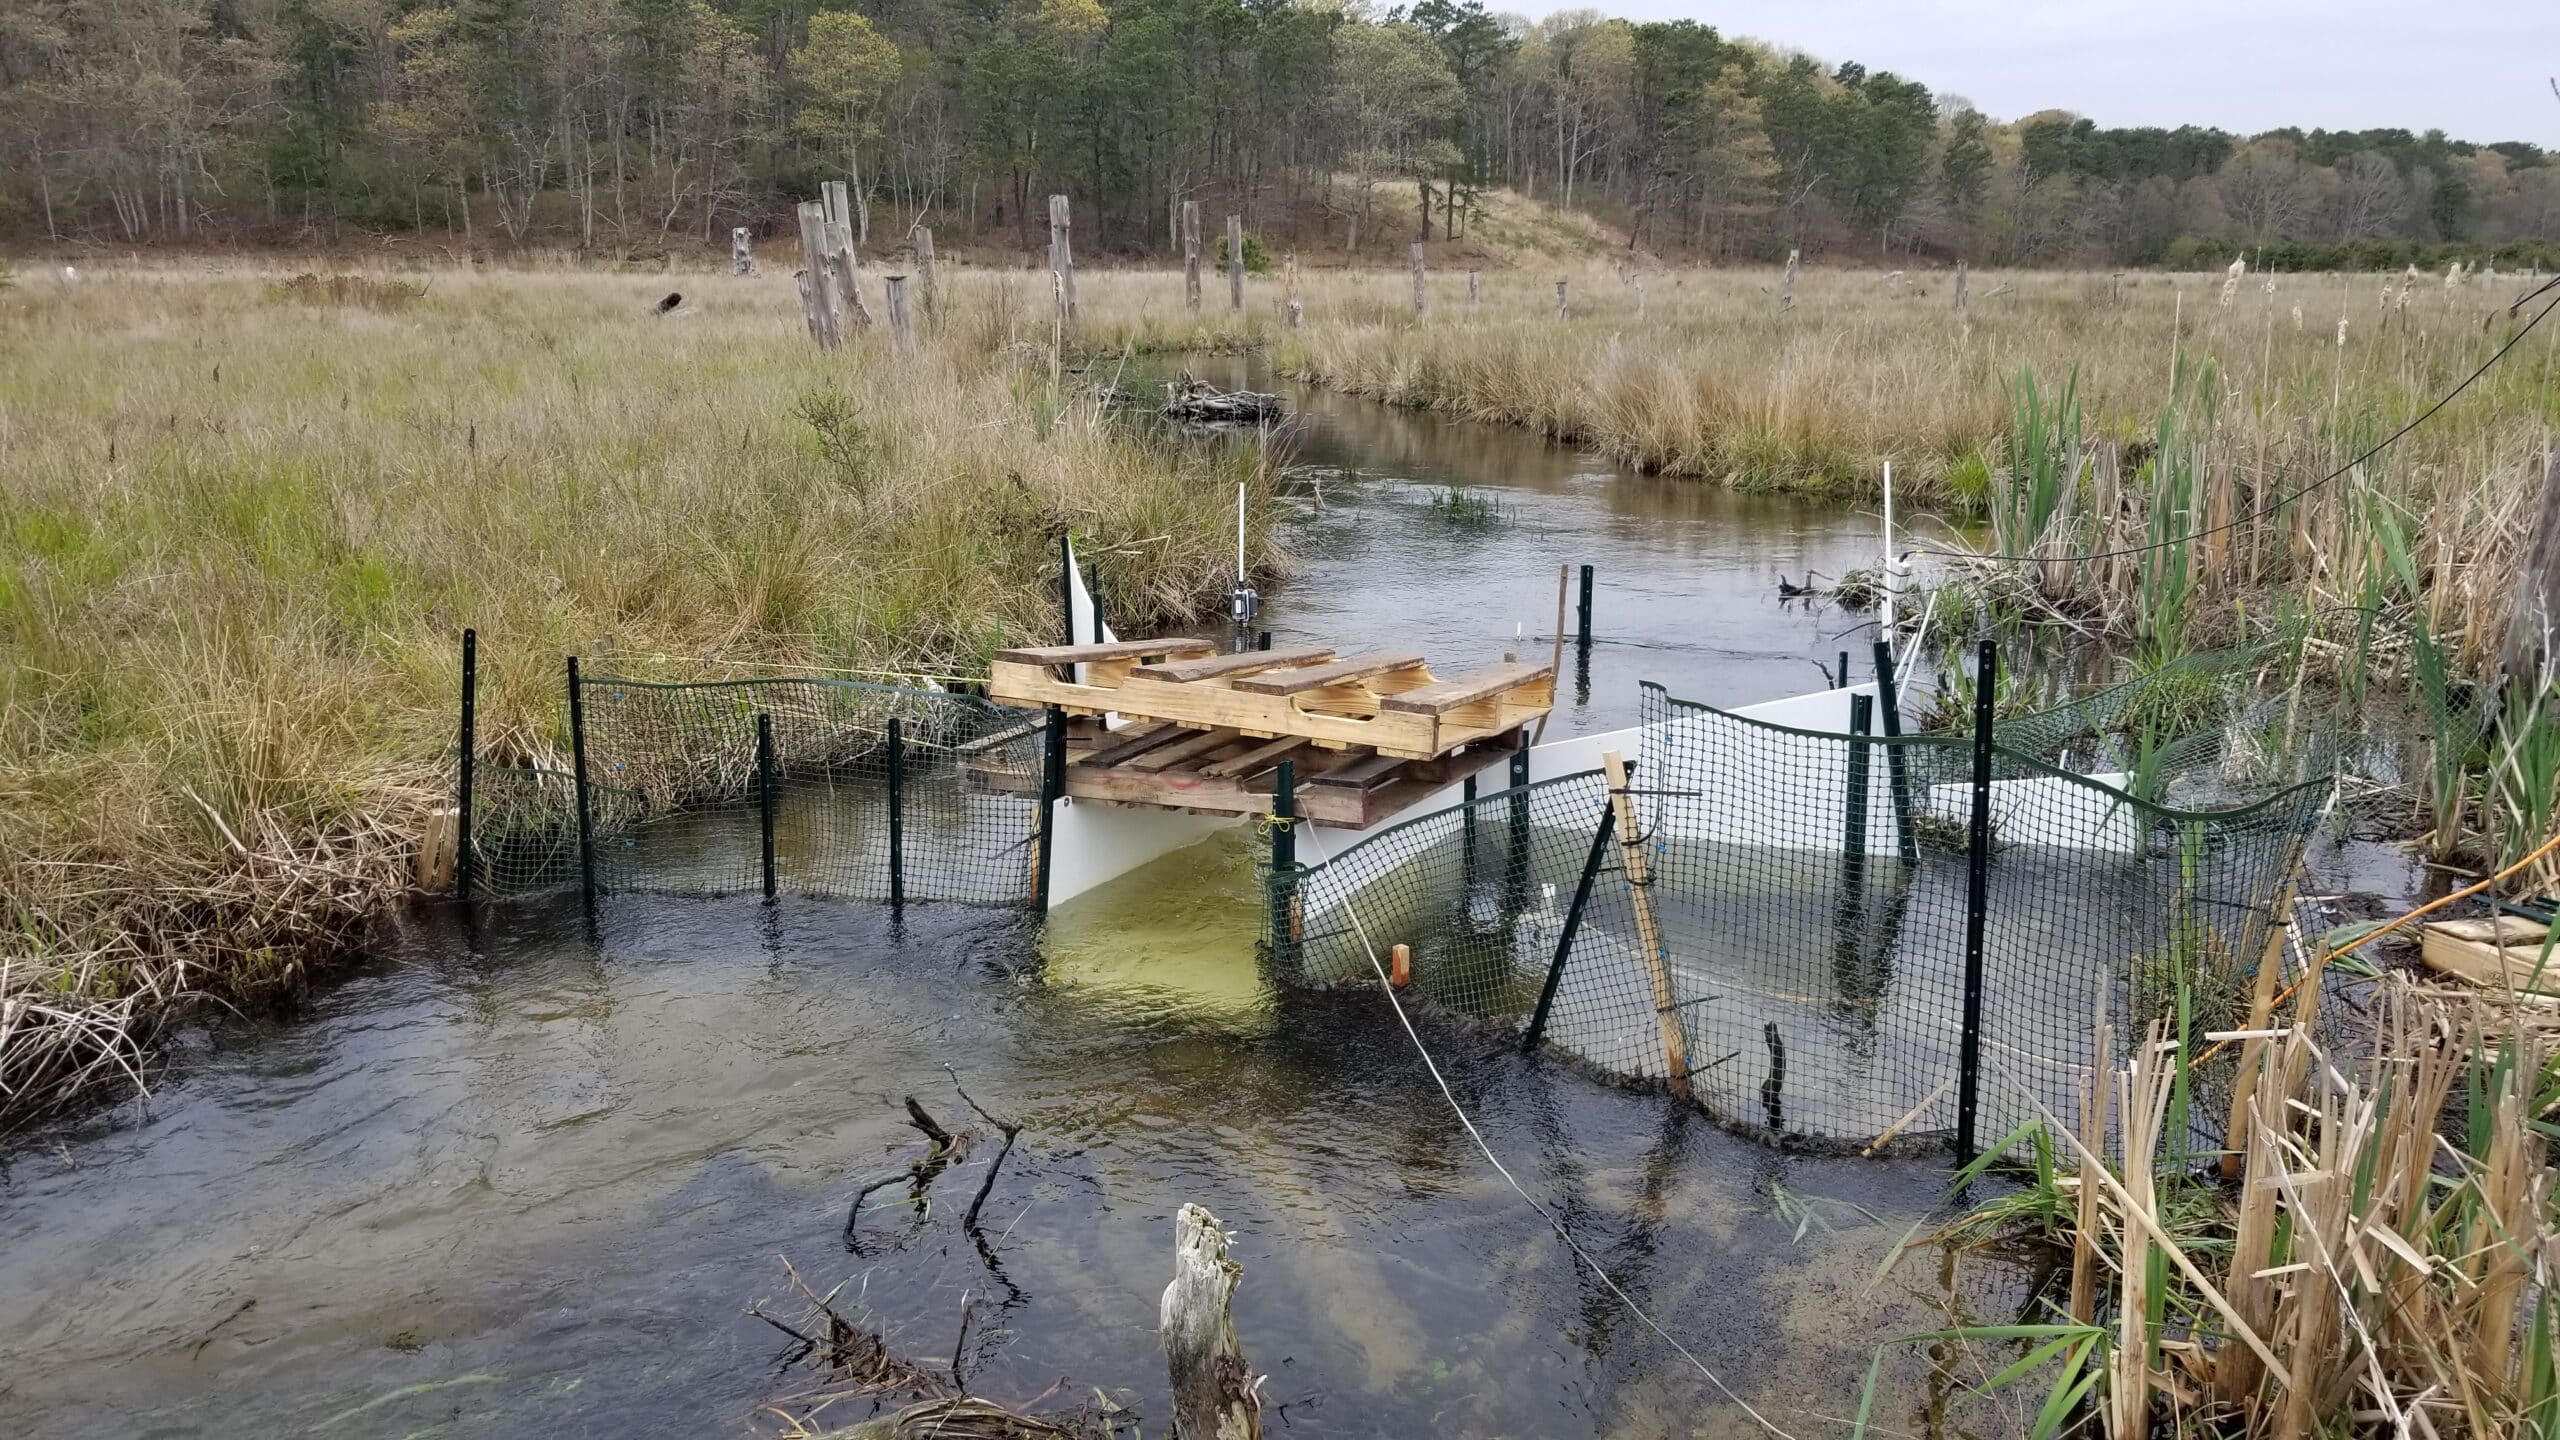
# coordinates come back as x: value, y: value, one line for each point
x: 470, y: 752
x: 1844, y: 670
x: 1977, y: 896
x: 897, y: 813
x: 1582, y: 636
x: 764, y: 795
x: 1572, y: 922
x: 1516, y: 868
x: 1896, y: 764
x: 578, y: 770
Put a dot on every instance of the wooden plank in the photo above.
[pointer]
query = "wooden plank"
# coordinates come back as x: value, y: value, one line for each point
x: 1335, y: 805
x: 1340, y: 672
x: 1365, y: 773
x: 1114, y: 650
x: 1181, y: 750
x: 2499, y: 953
x: 1263, y: 717
x: 1260, y: 758
x: 989, y: 742
x: 1443, y: 696
x: 1634, y: 859
x: 1243, y: 663
x: 1133, y: 743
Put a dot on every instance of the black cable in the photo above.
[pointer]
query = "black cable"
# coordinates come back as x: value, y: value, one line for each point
x: 2263, y: 511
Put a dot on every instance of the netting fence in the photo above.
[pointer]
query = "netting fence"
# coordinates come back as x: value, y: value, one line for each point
x: 788, y: 785
x: 1808, y: 922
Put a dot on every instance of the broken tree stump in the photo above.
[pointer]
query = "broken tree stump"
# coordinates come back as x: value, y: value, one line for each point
x: 1215, y: 1394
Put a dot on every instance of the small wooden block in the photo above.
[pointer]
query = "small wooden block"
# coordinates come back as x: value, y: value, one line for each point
x: 1246, y: 663
x: 1365, y: 773
x: 1340, y: 672
x: 1116, y: 650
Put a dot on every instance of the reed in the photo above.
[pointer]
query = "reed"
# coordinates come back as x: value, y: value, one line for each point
x: 247, y: 519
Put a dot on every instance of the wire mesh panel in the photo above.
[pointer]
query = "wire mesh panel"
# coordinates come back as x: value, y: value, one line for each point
x: 948, y: 814
x: 1483, y: 894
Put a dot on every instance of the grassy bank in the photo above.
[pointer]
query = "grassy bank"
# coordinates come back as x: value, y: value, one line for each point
x: 246, y: 521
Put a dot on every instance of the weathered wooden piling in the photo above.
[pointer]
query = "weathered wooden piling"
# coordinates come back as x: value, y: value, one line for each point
x: 928, y: 272
x: 1191, y: 254
x: 902, y: 324
x: 1214, y: 1396
x: 1421, y: 292
x: 1235, y: 262
x: 817, y: 287
x: 1560, y: 300
x: 1963, y: 298
x: 844, y: 275
x: 1062, y: 256
x: 1787, y: 287
x: 1473, y: 298
x: 742, y: 255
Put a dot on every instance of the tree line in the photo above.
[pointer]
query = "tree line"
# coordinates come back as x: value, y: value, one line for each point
x: 631, y: 125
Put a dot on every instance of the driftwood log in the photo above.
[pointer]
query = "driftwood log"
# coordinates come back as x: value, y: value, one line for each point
x: 1215, y: 1393
x: 1202, y: 403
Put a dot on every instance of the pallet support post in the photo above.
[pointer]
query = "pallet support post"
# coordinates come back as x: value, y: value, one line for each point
x: 470, y: 742
x: 1897, y: 765
x: 897, y: 813
x: 1977, y: 895
x: 764, y: 798
x: 1284, y: 860
x: 1572, y: 923
x: 578, y: 770
x: 1053, y: 783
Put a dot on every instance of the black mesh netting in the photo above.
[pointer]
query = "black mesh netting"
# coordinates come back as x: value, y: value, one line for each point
x: 1810, y: 893
x: 677, y: 794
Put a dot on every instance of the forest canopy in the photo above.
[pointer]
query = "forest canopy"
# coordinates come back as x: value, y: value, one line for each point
x: 630, y: 125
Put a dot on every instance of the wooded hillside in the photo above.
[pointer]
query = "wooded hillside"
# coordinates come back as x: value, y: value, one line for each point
x: 632, y: 125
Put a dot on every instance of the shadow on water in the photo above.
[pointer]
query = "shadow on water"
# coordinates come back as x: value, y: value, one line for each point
x: 524, y: 1179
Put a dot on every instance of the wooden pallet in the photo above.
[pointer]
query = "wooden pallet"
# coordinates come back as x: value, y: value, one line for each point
x: 1389, y: 702
x: 1166, y: 765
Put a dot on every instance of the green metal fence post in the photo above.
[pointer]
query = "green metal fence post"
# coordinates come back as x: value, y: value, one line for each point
x: 1896, y: 764
x: 1977, y: 900
x: 1582, y: 626
x: 897, y: 813
x: 586, y: 811
x: 1572, y: 923
x: 1853, y: 825
x: 470, y: 754
x: 1515, y: 868
x: 764, y: 797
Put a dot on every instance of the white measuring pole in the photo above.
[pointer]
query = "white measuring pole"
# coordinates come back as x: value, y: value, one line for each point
x: 1239, y: 536
x: 1891, y: 584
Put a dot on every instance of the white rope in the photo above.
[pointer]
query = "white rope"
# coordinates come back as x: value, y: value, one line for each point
x: 1388, y: 989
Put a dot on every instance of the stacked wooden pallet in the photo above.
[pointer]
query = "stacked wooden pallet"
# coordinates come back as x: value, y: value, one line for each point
x: 1196, y: 730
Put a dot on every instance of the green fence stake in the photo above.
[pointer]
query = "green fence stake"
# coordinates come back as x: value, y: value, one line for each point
x: 764, y: 797
x: 1572, y: 923
x: 1853, y: 826
x: 470, y: 754
x: 897, y: 813
x: 1896, y: 764
x: 586, y: 811
x: 1977, y: 901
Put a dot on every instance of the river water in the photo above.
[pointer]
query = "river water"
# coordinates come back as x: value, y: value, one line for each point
x: 522, y: 1175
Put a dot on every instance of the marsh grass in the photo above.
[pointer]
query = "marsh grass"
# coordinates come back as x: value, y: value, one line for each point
x: 245, y: 526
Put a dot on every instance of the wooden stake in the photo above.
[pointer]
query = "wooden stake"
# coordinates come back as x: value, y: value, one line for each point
x: 1787, y: 289
x: 844, y: 275
x: 928, y: 272
x: 1472, y: 300
x: 2262, y: 1007
x: 742, y: 256
x: 1213, y: 1388
x: 1421, y: 295
x: 1191, y: 254
x: 1555, y: 658
x: 1963, y: 297
x: 1657, y: 962
x: 817, y: 288
x: 1560, y: 303
x: 1235, y: 262
x: 1400, y: 966
x: 902, y: 325
x: 1062, y: 256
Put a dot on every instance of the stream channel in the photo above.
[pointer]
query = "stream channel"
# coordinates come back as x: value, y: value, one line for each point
x: 520, y: 1177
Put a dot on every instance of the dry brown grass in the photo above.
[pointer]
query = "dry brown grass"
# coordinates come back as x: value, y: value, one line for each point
x: 246, y: 525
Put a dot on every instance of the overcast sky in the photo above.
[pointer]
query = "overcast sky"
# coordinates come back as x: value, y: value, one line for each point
x: 2474, y: 68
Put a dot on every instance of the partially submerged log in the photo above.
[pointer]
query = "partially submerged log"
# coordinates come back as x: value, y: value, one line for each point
x: 1202, y: 403
x: 1216, y: 1395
